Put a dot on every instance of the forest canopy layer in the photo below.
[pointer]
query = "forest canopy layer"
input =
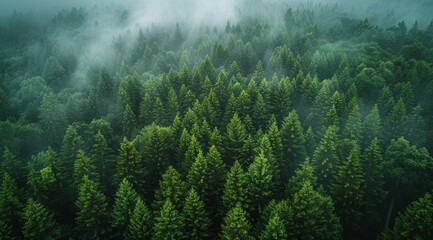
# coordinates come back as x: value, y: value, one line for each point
x: 255, y: 119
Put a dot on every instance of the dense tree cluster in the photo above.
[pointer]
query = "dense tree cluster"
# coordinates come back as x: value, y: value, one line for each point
x: 286, y: 128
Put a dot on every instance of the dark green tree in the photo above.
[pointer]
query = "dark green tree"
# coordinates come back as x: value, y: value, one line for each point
x: 274, y: 230
x: 313, y: 216
x: 353, y: 127
x: 236, y: 225
x: 259, y: 188
x: 10, y: 206
x: 52, y: 119
x: 12, y: 166
x: 304, y: 173
x: 415, y: 222
x: 140, y: 222
x: 348, y: 193
x: 84, y: 167
x: 47, y: 178
x: 235, y: 188
x: 372, y: 126
x: 72, y: 142
x: 128, y: 122
x: 235, y: 138
x: 197, y: 222
x: 293, y: 141
x: 103, y: 159
x: 373, y: 187
x: 124, y: 204
x: 155, y: 146
x: 91, y: 218
x: 38, y: 222
x: 129, y: 165
x: 168, y: 224
x: 325, y: 158
x: 191, y: 153
x: 171, y: 187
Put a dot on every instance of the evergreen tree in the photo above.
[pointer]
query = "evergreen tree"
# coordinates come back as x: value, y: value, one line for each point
x: 183, y: 145
x: 128, y: 122
x: 91, y: 211
x: 12, y: 166
x: 103, y: 159
x: 260, y: 112
x: 266, y: 148
x: 415, y: 222
x: 199, y: 177
x: 191, y: 153
x: 38, y: 222
x: 139, y: 226
x: 168, y: 224
x: 10, y: 206
x: 156, y: 151
x: 353, y: 125
x: 124, y: 201
x: 314, y: 216
x: 235, y: 188
x: 72, y: 142
x: 304, y: 173
x: 348, y: 193
x: 171, y: 187
x: 83, y: 166
x: 47, y: 178
x: 235, y: 138
x: 128, y: 164
x: 217, y: 178
x: 373, y: 187
x: 259, y: 184
x: 274, y: 230
x: 197, y: 222
x: 236, y: 225
x: 276, y: 143
x: 325, y: 159
x: 372, y: 126
x: 293, y: 141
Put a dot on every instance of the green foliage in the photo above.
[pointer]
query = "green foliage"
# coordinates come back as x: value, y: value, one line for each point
x: 11, y: 165
x: 236, y: 225
x: 373, y: 187
x: 139, y: 226
x: 92, y: 215
x: 305, y: 173
x: 235, y: 188
x: 171, y: 187
x: 325, y: 159
x: 268, y: 116
x: 83, y: 167
x: 129, y: 165
x: 313, y: 216
x: 47, y: 177
x: 38, y: 222
x: 415, y: 222
x: 275, y: 229
x: 72, y: 142
x: 124, y: 205
x: 103, y: 159
x: 259, y: 188
x: 293, y: 141
x: 347, y: 191
x: 197, y: 222
x: 169, y: 223
x: 10, y: 206
x: 407, y: 165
